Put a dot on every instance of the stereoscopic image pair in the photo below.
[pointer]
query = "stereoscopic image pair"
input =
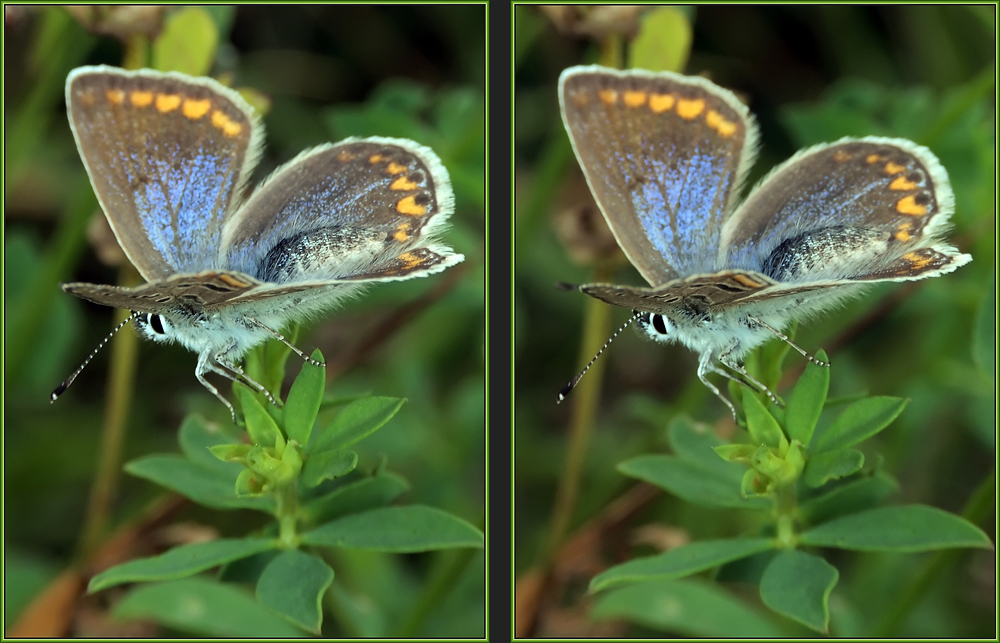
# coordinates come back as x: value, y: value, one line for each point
x: 752, y: 329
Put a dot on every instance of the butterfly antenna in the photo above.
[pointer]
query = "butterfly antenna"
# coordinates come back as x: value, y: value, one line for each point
x: 576, y: 380
x: 281, y: 338
x: 69, y: 380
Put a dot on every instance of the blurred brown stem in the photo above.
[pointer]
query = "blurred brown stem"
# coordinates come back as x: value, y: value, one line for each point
x: 585, y: 399
x: 121, y: 384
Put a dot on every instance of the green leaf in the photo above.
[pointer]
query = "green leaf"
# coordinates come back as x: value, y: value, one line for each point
x: 293, y: 585
x: 357, y: 496
x: 396, y: 529
x: 327, y: 465
x: 681, y: 561
x: 688, y: 481
x: 187, y: 43
x: 304, y: 399
x: 690, y: 608
x: 182, y: 561
x: 197, y: 436
x: 832, y: 465
x: 205, y: 608
x: 909, y: 528
x: 695, y: 443
x: 357, y: 421
x: 858, y: 422
x: 206, y: 486
x: 805, y: 404
x: 762, y: 426
x: 231, y: 452
x: 260, y: 425
x: 664, y: 41
x: 798, y: 585
x: 851, y: 497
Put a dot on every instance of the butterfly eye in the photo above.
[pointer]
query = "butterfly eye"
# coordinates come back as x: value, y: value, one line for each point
x: 159, y: 325
x: 660, y: 323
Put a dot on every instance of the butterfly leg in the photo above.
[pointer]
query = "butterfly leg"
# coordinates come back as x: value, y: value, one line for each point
x: 705, y: 367
x: 281, y: 338
x: 241, y: 376
x: 760, y: 385
x: 205, y: 366
x: 784, y: 338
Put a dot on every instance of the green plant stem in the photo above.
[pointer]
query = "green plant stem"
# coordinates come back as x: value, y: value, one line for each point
x: 446, y: 575
x: 585, y: 400
x: 977, y: 509
x: 121, y: 384
x: 287, y: 513
x: 785, y: 509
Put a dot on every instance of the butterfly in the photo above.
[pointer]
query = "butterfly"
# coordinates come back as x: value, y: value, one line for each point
x: 169, y: 155
x: 665, y: 155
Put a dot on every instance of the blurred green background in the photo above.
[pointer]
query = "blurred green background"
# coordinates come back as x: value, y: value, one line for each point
x: 323, y: 73
x: 810, y: 75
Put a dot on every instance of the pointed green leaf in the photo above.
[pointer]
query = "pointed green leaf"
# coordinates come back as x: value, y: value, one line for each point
x: 231, y: 452
x: 762, y: 426
x: 357, y: 496
x: 689, y: 608
x: 260, y: 425
x: 205, y: 608
x: 688, y: 481
x: 908, y: 528
x: 851, y: 497
x: 396, y: 529
x: 357, y: 421
x: 798, y: 585
x: 292, y: 586
x: 680, y: 562
x: 832, y: 465
x: 807, y: 399
x: 206, y: 486
x: 327, y: 465
x: 694, y: 443
x: 304, y: 399
x: 197, y: 435
x: 181, y: 561
x: 858, y: 422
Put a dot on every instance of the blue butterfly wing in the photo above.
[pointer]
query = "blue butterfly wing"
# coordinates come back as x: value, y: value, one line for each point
x: 663, y: 155
x: 166, y: 154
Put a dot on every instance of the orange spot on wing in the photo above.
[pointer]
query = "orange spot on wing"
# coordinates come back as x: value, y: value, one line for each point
x: 141, y: 99
x: 115, y: 96
x: 661, y: 102
x: 195, y: 109
x: 917, y: 261
x: 410, y: 259
x: 409, y: 205
x: 634, y: 99
x: 375, y: 158
x: 718, y: 122
x: 608, y: 96
x: 892, y: 168
x: 841, y: 156
x: 228, y: 126
x: 690, y: 108
x: 345, y: 156
x: 900, y: 183
x: 908, y: 205
x: 167, y: 102
x: 402, y: 233
x: 395, y: 168
x: 402, y: 183
x: 873, y: 158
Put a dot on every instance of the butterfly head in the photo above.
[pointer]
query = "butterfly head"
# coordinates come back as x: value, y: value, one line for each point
x: 655, y: 326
